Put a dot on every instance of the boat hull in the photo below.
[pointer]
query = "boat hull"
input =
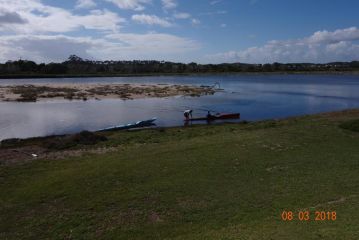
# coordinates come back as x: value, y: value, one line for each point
x: 216, y: 117
x: 139, y: 124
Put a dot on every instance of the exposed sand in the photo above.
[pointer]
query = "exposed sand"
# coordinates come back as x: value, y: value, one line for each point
x: 36, y: 92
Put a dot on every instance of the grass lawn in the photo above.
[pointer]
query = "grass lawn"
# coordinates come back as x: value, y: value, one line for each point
x: 230, y: 181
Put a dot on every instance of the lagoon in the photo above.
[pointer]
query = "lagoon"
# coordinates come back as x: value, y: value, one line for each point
x: 256, y: 97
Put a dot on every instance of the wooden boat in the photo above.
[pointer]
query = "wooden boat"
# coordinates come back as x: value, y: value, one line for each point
x: 218, y: 116
x: 139, y: 124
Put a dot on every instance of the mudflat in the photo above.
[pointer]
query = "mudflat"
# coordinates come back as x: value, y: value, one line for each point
x: 34, y: 92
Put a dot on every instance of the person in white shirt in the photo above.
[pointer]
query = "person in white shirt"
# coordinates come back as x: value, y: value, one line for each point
x: 187, y: 114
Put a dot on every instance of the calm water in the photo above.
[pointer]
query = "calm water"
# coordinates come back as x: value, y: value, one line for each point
x: 256, y: 97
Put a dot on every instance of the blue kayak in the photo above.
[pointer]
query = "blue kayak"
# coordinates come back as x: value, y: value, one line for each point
x: 139, y: 124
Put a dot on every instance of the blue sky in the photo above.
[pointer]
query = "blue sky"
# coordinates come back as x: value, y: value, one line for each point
x: 204, y: 31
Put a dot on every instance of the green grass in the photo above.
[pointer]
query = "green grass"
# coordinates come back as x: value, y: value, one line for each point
x: 227, y: 181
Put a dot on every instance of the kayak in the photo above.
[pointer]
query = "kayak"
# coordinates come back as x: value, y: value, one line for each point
x: 139, y: 124
x: 219, y: 116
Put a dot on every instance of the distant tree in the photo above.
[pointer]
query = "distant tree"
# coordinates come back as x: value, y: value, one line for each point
x: 55, y: 68
x: 26, y: 66
x: 276, y: 66
x: 267, y: 67
x: 76, y: 65
x: 74, y: 58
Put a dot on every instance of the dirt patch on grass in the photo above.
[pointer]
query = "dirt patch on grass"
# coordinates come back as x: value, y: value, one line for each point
x: 18, y: 151
x: 277, y: 169
x: 189, y: 203
x: 20, y: 155
x: 337, y: 116
x: 154, y: 217
x: 24, y: 154
x: 332, y: 202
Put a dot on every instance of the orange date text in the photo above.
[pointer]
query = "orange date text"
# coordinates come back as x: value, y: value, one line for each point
x: 309, y: 216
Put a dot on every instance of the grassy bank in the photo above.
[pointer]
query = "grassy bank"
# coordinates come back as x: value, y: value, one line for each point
x: 229, y: 181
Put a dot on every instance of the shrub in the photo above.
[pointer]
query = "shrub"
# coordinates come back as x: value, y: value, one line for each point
x: 352, y: 125
x: 82, y: 138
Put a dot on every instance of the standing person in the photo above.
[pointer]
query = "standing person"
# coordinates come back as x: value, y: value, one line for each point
x: 187, y: 114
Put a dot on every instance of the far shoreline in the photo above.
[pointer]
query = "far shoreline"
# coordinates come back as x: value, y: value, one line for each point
x: 44, y: 76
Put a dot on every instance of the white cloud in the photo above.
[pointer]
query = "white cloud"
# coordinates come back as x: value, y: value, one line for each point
x: 151, y: 20
x: 30, y: 29
x: 223, y: 25
x: 219, y: 12
x: 120, y: 46
x: 97, y: 20
x: 169, y: 4
x: 182, y: 15
x: 150, y: 46
x: 137, y: 5
x: 347, y: 34
x: 85, y: 4
x: 195, y: 21
x: 7, y: 17
x: 322, y: 46
x: 42, y: 18
x: 156, y: 40
x: 42, y: 48
x: 215, y: 2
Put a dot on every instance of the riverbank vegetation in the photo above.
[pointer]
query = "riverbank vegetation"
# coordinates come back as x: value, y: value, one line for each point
x: 229, y: 181
x: 76, y: 67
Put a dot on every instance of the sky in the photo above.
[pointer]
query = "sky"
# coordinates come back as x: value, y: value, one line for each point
x: 202, y: 31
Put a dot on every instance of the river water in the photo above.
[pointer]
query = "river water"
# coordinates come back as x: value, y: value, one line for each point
x: 256, y: 97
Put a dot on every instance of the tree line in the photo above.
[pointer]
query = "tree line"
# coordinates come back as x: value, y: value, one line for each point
x: 75, y: 65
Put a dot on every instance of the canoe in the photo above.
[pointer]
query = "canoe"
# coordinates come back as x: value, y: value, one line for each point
x: 139, y: 124
x: 220, y: 116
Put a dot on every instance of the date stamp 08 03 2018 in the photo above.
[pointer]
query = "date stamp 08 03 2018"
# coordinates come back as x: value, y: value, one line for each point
x: 307, y: 216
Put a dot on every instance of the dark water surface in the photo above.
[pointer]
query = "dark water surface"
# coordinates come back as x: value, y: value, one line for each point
x: 256, y: 97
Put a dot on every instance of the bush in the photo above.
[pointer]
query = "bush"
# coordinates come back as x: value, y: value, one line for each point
x: 82, y: 138
x: 10, y: 142
x: 87, y: 138
x: 28, y: 97
x: 352, y: 125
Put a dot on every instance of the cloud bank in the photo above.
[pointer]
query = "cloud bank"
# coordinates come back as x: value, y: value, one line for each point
x: 97, y: 29
x: 121, y: 46
x: 30, y: 29
x: 151, y: 20
x: 169, y: 4
x: 85, y: 4
x: 321, y: 47
x: 136, y: 5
